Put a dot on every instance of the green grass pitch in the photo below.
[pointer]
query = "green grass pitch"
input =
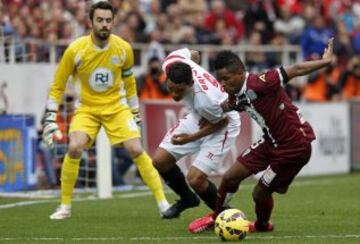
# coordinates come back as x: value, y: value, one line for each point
x: 315, y: 210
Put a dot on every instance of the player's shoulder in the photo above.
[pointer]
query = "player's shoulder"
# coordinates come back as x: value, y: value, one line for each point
x: 80, y: 43
x: 264, y: 76
x: 119, y: 42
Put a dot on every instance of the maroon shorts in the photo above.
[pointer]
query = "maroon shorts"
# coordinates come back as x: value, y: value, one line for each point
x: 281, y: 164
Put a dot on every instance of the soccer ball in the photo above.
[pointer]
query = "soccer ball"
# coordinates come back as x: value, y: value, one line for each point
x: 231, y: 225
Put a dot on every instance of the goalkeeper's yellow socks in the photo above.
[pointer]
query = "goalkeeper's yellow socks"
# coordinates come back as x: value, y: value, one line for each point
x: 151, y: 178
x: 69, y: 174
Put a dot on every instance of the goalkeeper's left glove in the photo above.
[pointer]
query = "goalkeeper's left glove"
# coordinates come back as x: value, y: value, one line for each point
x: 137, y: 116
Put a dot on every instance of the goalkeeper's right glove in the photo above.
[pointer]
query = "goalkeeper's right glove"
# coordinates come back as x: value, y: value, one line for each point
x: 51, y: 129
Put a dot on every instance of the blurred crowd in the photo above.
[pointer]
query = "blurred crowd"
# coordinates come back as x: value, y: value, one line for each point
x: 307, y: 23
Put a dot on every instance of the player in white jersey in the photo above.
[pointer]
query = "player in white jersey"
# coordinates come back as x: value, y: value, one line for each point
x: 205, y: 130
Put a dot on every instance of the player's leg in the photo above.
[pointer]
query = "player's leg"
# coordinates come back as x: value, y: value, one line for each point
x: 212, y: 153
x: 122, y: 129
x: 83, y: 130
x: 264, y: 205
x: 147, y: 171
x: 200, y: 183
x: 276, y: 178
x: 250, y: 162
x: 165, y: 163
x: 69, y: 173
x: 229, y: 185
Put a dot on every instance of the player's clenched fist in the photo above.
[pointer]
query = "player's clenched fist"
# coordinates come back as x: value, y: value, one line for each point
x: 51, y: 129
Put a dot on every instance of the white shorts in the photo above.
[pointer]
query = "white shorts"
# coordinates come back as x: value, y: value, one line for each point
x: 211, y: 149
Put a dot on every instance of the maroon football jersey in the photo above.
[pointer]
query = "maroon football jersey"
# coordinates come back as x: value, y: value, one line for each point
x: 264, y: 99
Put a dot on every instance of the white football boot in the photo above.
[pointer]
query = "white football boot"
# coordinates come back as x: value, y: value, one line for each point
x: 163, y: 206
x: 62, y: 212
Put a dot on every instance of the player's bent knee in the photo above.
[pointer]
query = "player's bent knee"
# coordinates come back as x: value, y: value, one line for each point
x: 259, y: 193
x: 134, y: 150
x: 230, y: 181
x: 75, y: 149
x: 198, y: 183
x: 157, y: 164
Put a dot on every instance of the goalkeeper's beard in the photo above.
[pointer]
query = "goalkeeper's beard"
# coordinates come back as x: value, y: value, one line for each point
x: 102, y: 35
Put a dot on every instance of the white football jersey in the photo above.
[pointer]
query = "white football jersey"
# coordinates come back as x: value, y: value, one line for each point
x: 207, y: 94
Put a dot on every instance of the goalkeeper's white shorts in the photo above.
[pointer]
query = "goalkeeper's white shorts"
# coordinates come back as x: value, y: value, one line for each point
x: 211, y: 149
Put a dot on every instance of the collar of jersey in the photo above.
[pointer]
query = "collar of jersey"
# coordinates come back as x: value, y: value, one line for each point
x: 243, y: 88
x: 99, y: 48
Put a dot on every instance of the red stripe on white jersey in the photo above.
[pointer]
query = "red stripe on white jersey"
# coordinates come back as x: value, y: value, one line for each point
x: 225, y: 138
x: 173, y: 56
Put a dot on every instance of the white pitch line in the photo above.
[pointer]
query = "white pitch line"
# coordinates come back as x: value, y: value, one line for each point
x: 140, y: 194
x: 148, y: 238
x: 90, y: 198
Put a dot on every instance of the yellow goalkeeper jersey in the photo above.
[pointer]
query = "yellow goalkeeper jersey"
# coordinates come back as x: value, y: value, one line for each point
x: 104, y: 74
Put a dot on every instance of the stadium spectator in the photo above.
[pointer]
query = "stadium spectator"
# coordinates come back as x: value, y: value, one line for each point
x: 206, y: 131
x: 121, y: 162
x: 286, y: 144
x: 322, y: 84
x: 290, y: 25
x: 259, y: 16
x: 190, y: 9
x: 314, y: 38
x: 356, y: 37
x: 349, y: 83
x: 155, y: 48
x: 151, y: 16
x: 100, y: 70
x: 256, y: 60
x: 47, y: 158
x: 6, y: 31
x: 152, y: 84
x: 203, y: 36
x: 220, y: 14
x: 343, y: 46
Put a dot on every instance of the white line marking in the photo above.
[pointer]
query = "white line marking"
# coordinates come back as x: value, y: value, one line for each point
x: 89, y: 198
x: 148, y: 238
x: 132, y: 195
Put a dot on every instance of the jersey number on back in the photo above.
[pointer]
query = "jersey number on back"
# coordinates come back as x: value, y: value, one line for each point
x: 207, y: 77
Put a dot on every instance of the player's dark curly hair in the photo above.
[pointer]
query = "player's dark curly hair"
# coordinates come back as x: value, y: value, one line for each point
x: 180, y: 73
x: 101, y: 5
x: 228, y: 60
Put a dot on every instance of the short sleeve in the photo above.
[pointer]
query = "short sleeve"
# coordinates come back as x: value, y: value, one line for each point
x: 270, y: 81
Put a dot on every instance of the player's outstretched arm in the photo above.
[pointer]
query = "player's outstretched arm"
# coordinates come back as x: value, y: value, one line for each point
x: 310, y: 66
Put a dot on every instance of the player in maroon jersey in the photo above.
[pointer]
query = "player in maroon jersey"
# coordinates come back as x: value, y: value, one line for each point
x: 286, y: 144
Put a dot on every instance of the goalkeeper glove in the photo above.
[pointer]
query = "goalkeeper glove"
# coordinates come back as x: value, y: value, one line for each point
x: 137, y: 116
x: 51, y: 129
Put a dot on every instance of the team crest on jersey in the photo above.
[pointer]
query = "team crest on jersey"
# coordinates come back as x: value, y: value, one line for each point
x: 262, y: 77
x: 251, y: 94
x: 115, y: 60
x: 101, y: 79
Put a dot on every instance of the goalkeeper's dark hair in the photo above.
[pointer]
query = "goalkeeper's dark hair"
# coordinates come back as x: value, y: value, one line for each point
x: 228, y: 60
x: 101, y: 5
x: 180, y: 73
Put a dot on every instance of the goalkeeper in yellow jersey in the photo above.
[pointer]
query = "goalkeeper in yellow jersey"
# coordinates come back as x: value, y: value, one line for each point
x: 101, y: 64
